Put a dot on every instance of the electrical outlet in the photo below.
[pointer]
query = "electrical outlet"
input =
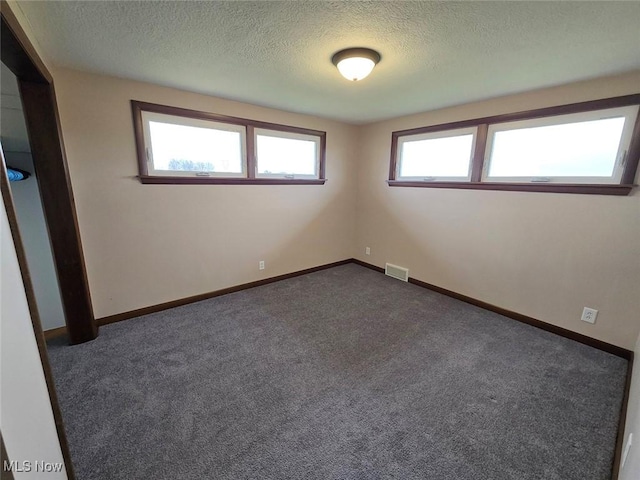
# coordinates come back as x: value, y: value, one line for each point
x: 261, y: 265
x: 367, y: 250
x: 626, y: 450
x: 589, y: 315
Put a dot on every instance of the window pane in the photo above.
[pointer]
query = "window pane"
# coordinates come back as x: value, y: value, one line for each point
x: 437, y: 157
x: 195, y: 149
x: 286, y: 156
x: 584, y: 149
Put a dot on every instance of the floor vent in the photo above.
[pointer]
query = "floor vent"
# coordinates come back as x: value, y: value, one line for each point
x: 395, y: 271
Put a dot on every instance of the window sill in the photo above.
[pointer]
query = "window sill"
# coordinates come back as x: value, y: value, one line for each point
x: 599, y: 189
x: 151, y: 180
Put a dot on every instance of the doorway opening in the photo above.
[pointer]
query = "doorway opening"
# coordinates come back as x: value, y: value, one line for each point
x: 31, y: 93
x: 38, y: 101
x: 28, y: 203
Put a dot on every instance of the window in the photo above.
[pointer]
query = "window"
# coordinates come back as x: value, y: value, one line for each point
x: 187, y: 147
x: 580, y: 148
x: 440, y: 156
x: 183, y: 146
x: 287, y: 155
x: 590, y: 147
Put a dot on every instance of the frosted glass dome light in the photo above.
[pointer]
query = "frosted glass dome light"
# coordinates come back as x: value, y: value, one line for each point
x: 355, y: 63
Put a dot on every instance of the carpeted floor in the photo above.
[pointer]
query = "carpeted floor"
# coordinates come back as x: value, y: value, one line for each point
x: 339, y: 374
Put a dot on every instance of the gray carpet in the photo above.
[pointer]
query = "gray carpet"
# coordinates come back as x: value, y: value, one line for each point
x: 339, y: 374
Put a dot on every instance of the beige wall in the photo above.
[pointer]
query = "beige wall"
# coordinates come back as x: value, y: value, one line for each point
x: 542, y: 255
x: 148, y: 244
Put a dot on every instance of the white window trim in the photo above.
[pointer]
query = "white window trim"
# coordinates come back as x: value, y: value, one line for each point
x: 191, y: 122
x: 430, y: 136
x: 288, y: 135
x: 629, y: 113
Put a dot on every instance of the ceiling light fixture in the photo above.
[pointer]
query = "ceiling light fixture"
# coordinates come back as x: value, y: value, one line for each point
x: 355, y: 63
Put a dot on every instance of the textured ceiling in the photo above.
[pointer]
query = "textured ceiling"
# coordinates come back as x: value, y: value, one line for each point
x: 277, y: 54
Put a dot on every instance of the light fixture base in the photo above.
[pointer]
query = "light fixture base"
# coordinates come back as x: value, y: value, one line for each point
x: 361, y: 52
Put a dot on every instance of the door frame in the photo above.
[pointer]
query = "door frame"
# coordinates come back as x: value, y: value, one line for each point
x: 47, y: 150
x: 50, y: 163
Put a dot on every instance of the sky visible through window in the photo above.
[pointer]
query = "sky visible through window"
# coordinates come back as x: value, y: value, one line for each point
x: 583, y: 149
x: 437, y: 157
x: 277, y: 155
x: 180, y: 147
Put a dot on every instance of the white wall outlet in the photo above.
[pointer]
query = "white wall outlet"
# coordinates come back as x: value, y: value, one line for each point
x: 261, y: 265
x: 367, y: 250
x: 589, y: 315
x: 625, y: 453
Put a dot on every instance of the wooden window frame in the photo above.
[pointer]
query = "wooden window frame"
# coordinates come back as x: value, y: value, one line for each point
x: 250, y: 179
x: 473, y: 131
x: 623, y: 188
x: 288, y: 136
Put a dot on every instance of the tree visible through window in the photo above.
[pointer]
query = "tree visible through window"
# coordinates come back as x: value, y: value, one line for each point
x: 190, y: 166
x: 183, y: 146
